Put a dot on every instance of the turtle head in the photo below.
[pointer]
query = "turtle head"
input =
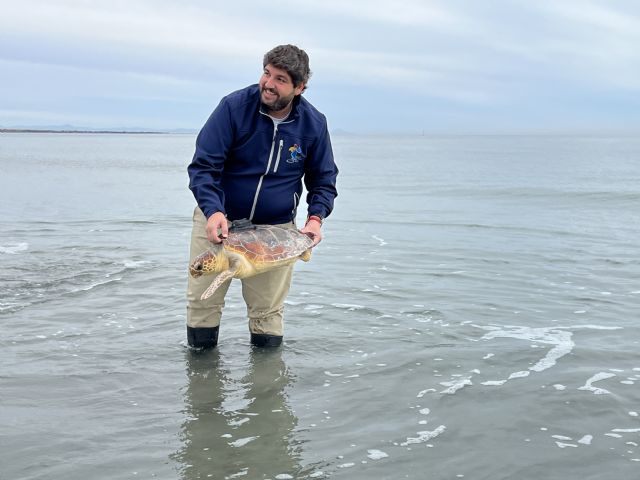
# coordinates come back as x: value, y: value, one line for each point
x: 207, y: 263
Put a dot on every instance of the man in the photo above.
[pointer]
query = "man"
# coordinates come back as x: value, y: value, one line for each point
x: 251, y: 158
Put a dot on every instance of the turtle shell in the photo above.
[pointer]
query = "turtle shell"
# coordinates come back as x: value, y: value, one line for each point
x: 267, y: 243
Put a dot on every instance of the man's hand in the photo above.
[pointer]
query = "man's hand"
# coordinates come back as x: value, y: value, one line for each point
x: 217, y: 227
x: 312, y: 229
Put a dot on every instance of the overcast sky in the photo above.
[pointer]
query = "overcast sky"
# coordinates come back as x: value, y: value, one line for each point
x: 395, y: 66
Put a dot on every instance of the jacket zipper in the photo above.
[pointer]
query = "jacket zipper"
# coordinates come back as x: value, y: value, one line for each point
x: 296, y: 199
x: 275, y: 169
x: 255, y: 198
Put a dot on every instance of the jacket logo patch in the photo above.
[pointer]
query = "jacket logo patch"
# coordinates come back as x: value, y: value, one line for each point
x: 296, y: 154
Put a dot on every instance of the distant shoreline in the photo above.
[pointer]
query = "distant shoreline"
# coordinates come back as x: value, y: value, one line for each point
x: 35, y: 130
x: 336, y: 133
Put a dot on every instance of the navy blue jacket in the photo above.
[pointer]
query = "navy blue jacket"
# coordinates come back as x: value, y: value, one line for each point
x: 245, y: 167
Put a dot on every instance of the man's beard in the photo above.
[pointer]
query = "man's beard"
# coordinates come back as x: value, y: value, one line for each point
x: 280, y: 103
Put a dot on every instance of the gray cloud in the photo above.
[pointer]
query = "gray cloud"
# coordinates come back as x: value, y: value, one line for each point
x: 405, y: 65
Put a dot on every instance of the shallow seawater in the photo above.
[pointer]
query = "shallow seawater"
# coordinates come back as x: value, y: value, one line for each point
x: 471, y: 313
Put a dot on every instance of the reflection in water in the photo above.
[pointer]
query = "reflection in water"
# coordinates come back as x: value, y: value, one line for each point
x: 238, y: 423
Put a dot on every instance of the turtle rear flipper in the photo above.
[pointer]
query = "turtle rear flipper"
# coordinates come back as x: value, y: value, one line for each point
x: 219, y: 280
x: 306, y: 255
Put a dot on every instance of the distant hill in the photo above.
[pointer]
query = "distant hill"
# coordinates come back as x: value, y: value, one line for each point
x: 80, y: 129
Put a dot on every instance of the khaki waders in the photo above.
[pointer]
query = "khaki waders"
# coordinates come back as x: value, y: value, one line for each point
x: 264, y: 295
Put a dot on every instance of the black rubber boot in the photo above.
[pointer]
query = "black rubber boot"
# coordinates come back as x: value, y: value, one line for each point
x: 265, y: 340
x: 204, y: 337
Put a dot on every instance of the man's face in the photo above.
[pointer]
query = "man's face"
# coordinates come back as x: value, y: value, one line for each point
x: 277, y: 89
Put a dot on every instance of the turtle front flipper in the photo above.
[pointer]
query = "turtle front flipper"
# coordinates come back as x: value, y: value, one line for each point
x: 219, y: 280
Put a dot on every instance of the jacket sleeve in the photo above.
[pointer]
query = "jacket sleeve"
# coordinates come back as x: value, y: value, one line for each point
x: 205, y: 171
x: 320, y: 177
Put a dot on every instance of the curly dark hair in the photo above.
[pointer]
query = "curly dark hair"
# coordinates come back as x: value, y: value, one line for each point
x: 292, y: 59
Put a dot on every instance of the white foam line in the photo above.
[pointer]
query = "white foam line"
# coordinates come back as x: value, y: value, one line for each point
x: 241, y: 473
x: 424, y: 436
x: 98, y: 284
x: 237, y: 423
x: 560, y: 339
x: 455, y: 386
x: 563, y: 348
x: 590, y: 327
x: 423, y: 392
x: 241, y: 442
x: 376, y: 454
x: 626, y: 430
x: 348, y: 306
x: 313, y: 307
x: 380, y: 240
x: 564, y: 445
x: 586, y: 440
x: 494, y: 383
x: 135, y: 263
x: 596, y: 378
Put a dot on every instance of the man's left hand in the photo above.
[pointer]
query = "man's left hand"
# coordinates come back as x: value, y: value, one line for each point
x: 312, y: 229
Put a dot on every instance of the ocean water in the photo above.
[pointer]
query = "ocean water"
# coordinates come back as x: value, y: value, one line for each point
x: 473, y: 312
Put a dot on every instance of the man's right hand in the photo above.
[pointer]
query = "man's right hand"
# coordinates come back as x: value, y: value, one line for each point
x: 217, y: 227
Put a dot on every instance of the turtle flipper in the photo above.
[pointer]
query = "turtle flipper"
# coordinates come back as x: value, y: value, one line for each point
x: 306, y: 255
x: 219, y: 280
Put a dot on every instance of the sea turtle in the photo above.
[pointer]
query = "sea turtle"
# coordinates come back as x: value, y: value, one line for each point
x: 249, y: 250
